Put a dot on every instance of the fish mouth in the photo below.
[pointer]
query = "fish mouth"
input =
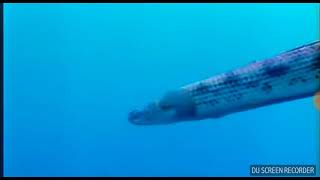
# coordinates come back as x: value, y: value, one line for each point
x: 138, y: 117
x: 151, y: 114
x: 143, y: 116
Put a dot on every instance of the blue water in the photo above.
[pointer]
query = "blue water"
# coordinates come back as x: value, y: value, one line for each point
x: 72, y: 72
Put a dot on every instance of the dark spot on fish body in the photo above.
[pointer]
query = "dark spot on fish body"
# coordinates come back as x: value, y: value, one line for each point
x: 318, y: 72
x: 231, y: 79
x: 201, y: 88
x: 316, y: 63
x: 215, y: 91
x: 296, y: 80
x: 252, y: 84
x: 213, y: 102
x: 276, y: 70
x: 266, y: 87
x: 316, y: 66
x: 245, y: 79
x: 229, y: 99
x: 296, y: 57
x: 239, y: 96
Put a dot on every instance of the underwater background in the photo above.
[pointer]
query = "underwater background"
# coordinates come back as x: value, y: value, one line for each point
x: 72, y: 72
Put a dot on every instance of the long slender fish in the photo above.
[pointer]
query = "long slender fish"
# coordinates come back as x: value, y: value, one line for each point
x: 291, y: 75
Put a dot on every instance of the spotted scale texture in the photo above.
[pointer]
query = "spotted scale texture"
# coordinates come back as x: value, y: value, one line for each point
x: 291, y: 75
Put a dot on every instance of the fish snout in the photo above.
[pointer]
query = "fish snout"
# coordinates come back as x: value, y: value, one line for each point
x: 136, y: 117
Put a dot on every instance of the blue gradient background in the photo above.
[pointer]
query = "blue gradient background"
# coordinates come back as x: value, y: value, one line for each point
x: 72, y: 72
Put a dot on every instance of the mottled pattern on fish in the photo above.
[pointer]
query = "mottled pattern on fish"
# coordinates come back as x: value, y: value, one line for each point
x: 291, y: 75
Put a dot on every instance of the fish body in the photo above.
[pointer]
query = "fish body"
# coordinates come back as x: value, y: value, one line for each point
x: 291, y: 75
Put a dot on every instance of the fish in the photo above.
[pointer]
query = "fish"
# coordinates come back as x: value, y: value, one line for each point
x: 288, y: 76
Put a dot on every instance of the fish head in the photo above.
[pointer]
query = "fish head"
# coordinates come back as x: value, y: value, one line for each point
x: 174, y: 106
